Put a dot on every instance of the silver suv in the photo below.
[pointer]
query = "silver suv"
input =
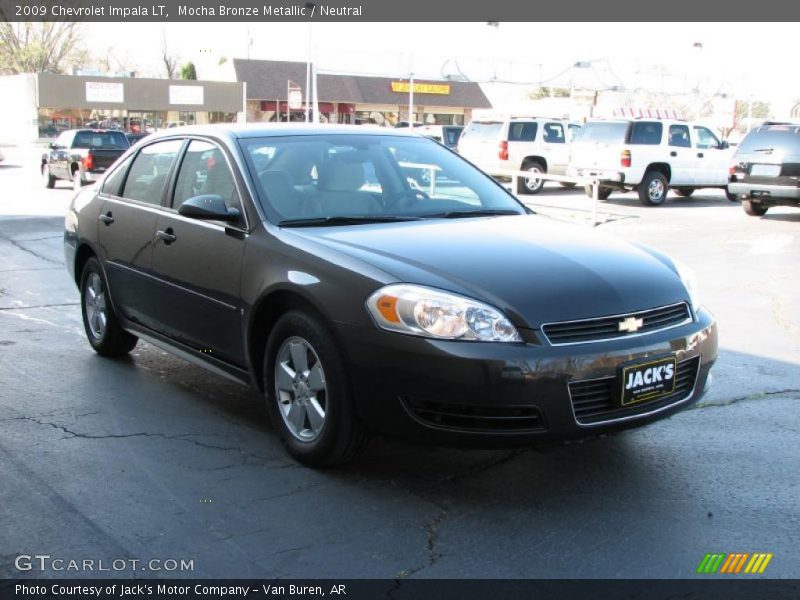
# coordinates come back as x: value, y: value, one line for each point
x: 534, y: 144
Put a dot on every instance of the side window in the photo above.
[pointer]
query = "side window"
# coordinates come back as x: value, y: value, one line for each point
x: 705, y: 138
x: 574, y: 130
x: 554, y: 133
x: 113, y: 181
x: 522, y: 132
x: 679, y: 136
x: 205, y: 171
x: 148, y: 175
x: 647, y: 133
x: 64, y: 140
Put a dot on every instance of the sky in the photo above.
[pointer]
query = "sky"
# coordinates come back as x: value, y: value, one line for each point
x: 671, y: 57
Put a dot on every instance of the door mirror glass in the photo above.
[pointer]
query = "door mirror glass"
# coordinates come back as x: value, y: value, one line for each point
x: 724, y: 145
x: 208, y: 207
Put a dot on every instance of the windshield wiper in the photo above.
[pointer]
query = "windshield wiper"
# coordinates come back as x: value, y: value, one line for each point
x: 345, y: 220
x: 460, y: 214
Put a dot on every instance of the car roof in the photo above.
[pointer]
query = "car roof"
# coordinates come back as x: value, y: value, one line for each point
x: 259, y: 130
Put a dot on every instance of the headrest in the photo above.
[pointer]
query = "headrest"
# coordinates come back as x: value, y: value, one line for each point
x: 341, y: 176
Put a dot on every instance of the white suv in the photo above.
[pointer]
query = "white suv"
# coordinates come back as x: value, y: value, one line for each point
x: 533, y: 144
x: 650, y: 156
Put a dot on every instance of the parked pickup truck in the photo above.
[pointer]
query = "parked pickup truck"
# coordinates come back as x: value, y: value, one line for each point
x: 82, y: 155
x: 650, y: 156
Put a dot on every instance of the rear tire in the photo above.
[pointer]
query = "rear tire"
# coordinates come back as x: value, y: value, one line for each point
x: 308, y: 394
x: 531, y: 186
x: 602, y: 193
x: 48, y: 180
x: 684, y: 192
x: 731, y: 197
x: 100, y: 322
x: 653, y: 189
x: 754, y: 209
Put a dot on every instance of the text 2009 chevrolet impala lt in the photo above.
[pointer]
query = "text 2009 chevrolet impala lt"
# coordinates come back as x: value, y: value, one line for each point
x: 373, y: 280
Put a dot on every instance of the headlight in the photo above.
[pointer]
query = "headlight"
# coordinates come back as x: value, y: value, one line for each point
x: 689, y: 280
x: 426, y: 312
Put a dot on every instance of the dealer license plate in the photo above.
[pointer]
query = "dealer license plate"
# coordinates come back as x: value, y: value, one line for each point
x: 765, y: 170
x: 648, y: 380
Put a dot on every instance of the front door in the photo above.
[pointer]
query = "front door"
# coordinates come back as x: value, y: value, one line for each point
x: 712, y: 159
x: 198, y: 263
x: 681, y: 156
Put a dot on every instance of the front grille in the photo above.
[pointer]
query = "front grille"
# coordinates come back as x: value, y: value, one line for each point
x: 604, y: 328
x: 466, y: 417
x: 593, y: 400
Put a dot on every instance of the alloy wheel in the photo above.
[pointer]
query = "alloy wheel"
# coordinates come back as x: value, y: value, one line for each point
x: 94, y: 302
x: 300, y: 389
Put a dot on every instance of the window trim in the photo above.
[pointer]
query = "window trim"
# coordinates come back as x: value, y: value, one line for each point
x: 170, y: 197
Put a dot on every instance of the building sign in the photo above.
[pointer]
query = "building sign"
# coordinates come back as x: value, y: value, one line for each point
x: 97, y: 91
x: 186, y: 94
x: 421, y: 88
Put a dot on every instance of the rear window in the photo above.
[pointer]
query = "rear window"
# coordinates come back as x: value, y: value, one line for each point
x: 451, y: 135
x: 647, y: 133
x: 778, y: 138
x: 482, y: 130
x: 100, y: 139
x: 605, y: 133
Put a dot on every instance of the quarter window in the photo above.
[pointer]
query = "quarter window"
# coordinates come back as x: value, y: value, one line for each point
x: 113, y: 181
x: 679, y: 136
x: 647, y: 133
x: 554, y: 133
x: 522, y: 132
x: 150, y: 170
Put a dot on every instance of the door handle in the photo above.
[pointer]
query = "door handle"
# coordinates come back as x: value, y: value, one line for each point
x: 166, y: 236
x: 107, y: 218
x: 673, y: 153
x: 699, y: 155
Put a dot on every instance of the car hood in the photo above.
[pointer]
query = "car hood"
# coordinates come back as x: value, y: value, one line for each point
x: 533, y: 268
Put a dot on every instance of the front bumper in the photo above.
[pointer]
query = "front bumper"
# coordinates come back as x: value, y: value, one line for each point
x: 485, y: 394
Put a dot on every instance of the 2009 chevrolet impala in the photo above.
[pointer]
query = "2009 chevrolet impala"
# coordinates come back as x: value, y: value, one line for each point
x: 365, y: 279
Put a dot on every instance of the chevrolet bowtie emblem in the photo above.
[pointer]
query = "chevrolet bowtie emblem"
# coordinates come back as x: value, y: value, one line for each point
x: 631, y: 324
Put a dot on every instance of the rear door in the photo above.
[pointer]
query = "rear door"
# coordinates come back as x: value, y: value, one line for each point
x: 133, y: 200
x: 712, y: 159
x: 681, y: 155
x: 198, y: 263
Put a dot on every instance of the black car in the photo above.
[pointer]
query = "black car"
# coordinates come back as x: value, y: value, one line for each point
x: 766, y: 168
x: 307, y: 262
x: 81, y: 156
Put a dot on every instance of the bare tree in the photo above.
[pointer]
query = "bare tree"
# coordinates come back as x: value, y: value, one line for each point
x: 40, y: 47
x: 170, y: 60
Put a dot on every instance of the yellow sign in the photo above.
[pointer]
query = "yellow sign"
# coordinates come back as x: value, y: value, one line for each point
x: 421, y: 88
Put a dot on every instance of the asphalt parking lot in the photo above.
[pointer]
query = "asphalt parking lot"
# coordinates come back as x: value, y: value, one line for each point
x: 153, y: 458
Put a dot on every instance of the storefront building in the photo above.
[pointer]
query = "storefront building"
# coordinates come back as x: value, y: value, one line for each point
x: 354, y: 99
x: 42, y: 105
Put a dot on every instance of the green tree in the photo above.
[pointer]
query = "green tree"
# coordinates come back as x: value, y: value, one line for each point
x: 40, y: 47
x: 188, y: 71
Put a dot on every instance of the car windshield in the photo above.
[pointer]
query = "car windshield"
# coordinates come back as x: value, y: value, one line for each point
x: 605, y: 133
x: 100, y: 139
x: 328, y: 179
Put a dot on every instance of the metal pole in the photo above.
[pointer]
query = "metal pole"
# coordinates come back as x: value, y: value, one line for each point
x: 308, y: 72
x: 596, y: 198
x: 315, y: 95
x: 411, y: 100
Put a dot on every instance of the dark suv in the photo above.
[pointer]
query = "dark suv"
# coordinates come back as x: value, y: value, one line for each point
x: 766, y: 168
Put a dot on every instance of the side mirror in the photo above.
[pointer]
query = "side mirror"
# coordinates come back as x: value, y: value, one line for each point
x: 208, y: 207
x: 52, y: 146
x: 724, y: 145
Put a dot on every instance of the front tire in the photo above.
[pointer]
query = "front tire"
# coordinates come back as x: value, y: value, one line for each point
x: 103, y: 330
x: 308, y: 394
x: 754, y: 209
x: 653, y: 189
x: 531, y: 185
